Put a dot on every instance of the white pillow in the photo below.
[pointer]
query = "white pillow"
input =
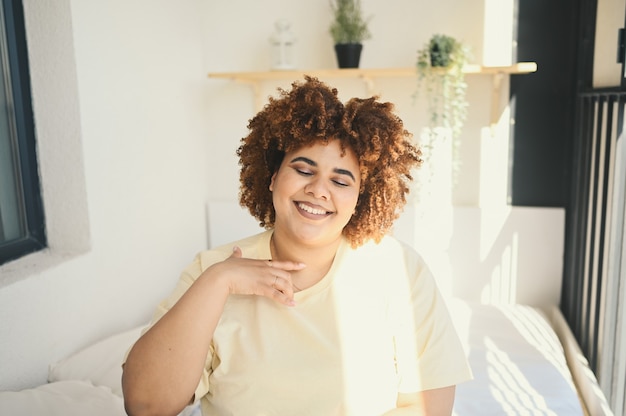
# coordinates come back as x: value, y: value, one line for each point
x: 100, y: 363
x: 63, y: 398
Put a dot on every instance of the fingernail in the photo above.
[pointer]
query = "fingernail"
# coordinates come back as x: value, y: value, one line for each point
x: 291, y: 303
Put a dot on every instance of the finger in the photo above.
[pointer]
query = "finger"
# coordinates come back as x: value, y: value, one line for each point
x: 281, y: 280
x: 285, y: 265
x: 236, y: 252
x: 282, y: 286
x: 281, y: 297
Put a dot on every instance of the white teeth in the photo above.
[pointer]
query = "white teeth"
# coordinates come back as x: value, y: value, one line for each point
x: 311, y: 210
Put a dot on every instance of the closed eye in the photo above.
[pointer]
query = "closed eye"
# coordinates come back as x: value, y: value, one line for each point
x: 305, y: 171
x: 340, y: 183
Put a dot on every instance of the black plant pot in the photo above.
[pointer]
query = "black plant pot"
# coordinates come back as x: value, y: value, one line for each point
x: 348, y: 54
x: 439, y: 57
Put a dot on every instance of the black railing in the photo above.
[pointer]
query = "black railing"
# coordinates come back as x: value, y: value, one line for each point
x: 594, y: 232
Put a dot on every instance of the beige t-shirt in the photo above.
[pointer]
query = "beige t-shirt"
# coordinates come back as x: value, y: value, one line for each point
x: 374, y: 326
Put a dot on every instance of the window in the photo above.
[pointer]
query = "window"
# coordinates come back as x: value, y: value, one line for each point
x: 22, y: 227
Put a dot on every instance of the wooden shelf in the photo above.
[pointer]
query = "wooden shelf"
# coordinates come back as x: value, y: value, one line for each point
x: 254, y: 79
x: 519, y: 68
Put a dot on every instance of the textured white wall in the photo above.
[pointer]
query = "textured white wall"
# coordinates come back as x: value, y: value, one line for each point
x: 121, y: 94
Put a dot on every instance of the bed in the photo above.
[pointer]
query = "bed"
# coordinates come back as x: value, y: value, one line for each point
x: 518, y: 362
x: 517, y: 355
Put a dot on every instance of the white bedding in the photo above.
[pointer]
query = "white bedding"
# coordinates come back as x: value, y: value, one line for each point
x: 87, y: 383
x: 518, y: 364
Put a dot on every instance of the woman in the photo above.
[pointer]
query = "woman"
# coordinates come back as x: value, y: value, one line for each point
x: 322, y: 313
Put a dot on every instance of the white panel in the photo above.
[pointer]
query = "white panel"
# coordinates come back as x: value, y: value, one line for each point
x: 507, y: 254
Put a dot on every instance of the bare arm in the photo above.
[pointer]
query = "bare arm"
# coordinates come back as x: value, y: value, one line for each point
x: 164, y: 366
x: 435, y: 402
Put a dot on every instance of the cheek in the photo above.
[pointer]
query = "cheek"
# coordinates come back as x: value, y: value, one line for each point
x: 350, y: 201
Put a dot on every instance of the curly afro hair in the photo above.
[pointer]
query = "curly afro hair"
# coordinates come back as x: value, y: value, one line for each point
x: 312, y: 113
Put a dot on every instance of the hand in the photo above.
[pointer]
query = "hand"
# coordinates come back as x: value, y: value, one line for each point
x: 268, y: 278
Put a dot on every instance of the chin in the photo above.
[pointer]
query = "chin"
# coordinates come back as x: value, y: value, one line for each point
x: 317, y: 239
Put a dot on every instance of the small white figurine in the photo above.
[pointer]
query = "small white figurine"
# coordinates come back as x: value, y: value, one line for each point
x: 282, y: 41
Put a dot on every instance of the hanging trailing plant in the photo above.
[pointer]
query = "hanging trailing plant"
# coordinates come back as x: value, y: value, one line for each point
x: 440, y: 74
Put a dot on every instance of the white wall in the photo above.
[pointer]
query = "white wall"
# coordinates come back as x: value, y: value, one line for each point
x: 139, y: 93
x: 128, y: 120
x: 399, y: 28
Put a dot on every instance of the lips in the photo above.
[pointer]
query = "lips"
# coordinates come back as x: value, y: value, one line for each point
x: 311, y: 210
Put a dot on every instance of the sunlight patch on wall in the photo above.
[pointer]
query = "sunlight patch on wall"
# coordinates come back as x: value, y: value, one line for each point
x: 502, y: 287
x: 494, y: 164
x: 497, y: 47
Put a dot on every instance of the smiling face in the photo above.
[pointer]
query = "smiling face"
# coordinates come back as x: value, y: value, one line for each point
x: 315, y: 192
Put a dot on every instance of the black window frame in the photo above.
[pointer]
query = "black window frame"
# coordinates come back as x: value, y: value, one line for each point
x: 28, y: 170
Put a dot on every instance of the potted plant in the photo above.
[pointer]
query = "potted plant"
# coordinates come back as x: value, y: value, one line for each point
x: 348, y: 29
x: 440, y: 73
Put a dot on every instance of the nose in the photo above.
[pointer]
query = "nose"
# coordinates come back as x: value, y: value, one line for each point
x: 317, y: 188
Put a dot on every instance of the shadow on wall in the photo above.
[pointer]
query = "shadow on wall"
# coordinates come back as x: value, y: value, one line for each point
x: 490, y: 255
x: 508, y: 254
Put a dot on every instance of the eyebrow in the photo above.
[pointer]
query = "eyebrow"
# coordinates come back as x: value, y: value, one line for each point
x: 312, y: 163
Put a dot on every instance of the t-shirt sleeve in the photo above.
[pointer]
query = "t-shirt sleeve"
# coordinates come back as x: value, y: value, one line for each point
x: 429, y: 353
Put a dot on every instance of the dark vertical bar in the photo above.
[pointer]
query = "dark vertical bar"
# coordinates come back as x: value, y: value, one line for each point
x: 576, y: 212
x: 583, y: 204
x: 591, y: 284
x: 588, y: 246
x: 17, y: 51
x: 620, y: 47
x: 576, y: 230
x: 544, y: 103
x: 604, y: 193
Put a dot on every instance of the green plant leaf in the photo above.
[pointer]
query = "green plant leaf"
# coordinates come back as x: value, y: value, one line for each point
x: 349, y: 25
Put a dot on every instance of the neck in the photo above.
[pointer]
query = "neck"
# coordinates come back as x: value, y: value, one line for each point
x: 318, y: 259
